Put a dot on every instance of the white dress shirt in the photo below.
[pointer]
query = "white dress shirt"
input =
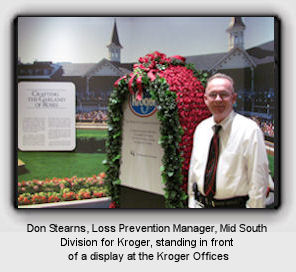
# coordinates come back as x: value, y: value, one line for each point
x: 242, y: 166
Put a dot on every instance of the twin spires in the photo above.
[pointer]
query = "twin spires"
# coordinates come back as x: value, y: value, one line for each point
x: 235, y: 29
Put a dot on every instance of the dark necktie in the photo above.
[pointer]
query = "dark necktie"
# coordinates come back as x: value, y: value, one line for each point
x: 211, y: 168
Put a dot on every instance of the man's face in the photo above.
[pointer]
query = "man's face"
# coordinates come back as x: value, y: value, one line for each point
x: 219, y: 98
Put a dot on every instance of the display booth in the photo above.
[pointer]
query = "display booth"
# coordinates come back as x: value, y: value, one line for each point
x: 153, y: 113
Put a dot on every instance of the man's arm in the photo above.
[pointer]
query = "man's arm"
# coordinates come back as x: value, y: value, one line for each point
x: 191, y: 200
x: 192, y: 203
x: 257, y: 164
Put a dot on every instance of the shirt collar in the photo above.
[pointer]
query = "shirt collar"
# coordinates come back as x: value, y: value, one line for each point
x: 225, y: 124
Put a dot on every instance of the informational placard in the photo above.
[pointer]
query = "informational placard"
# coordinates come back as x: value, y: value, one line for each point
x: 141, y: 152
x: 46, y: 116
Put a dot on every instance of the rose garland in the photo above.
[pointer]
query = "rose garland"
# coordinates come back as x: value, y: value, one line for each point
x: 178, y: 89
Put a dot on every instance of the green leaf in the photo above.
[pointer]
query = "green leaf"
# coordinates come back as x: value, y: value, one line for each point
x: 166, y: 195
x: 116, y: 119
x: 172, y: 194
x: 184, y: 196
x: 117, y: 135
x: 170, y: 174
x: 116, y: 158
x: 117, y: 182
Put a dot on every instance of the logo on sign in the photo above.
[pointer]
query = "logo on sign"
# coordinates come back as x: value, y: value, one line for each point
x: 142, y: 108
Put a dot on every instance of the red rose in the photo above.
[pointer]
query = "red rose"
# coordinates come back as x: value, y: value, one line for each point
x: 151, y: 75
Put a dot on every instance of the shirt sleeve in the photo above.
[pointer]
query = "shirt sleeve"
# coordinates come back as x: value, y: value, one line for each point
x: 191, y: 176
x: 257, y: 167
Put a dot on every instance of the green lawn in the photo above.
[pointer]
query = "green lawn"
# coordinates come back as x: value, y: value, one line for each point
x: 41, y: 165
x: 271, y: 164
x: 91, y: 133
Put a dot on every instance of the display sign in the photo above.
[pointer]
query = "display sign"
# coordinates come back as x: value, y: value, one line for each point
x: 141, y: 153
x: 46, y: 116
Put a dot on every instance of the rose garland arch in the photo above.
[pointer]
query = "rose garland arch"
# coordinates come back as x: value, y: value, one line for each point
x: 178, y: 90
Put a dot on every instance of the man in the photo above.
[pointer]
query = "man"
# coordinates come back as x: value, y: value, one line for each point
x: 229, y: 166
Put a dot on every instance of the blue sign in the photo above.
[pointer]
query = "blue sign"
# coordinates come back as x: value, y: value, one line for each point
x: 144, y: 107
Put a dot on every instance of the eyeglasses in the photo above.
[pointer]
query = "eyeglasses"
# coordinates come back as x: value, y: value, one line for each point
x: 223, y: 95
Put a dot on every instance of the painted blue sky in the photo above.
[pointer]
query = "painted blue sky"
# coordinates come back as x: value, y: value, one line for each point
x: 84, y: 39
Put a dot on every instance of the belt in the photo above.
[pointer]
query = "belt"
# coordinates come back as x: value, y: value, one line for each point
x: 235, y: 202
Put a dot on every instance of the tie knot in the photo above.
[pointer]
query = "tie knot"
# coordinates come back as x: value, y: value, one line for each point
x: 217, y: 128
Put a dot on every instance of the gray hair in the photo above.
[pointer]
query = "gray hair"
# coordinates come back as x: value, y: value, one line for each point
x: 220, y: 75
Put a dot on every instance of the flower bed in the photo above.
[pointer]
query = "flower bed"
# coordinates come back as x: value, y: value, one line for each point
x: 58, y: 190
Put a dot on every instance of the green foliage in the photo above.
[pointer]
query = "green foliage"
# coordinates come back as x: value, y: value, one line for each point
x: 113, y: 144
x: 170, y: 138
